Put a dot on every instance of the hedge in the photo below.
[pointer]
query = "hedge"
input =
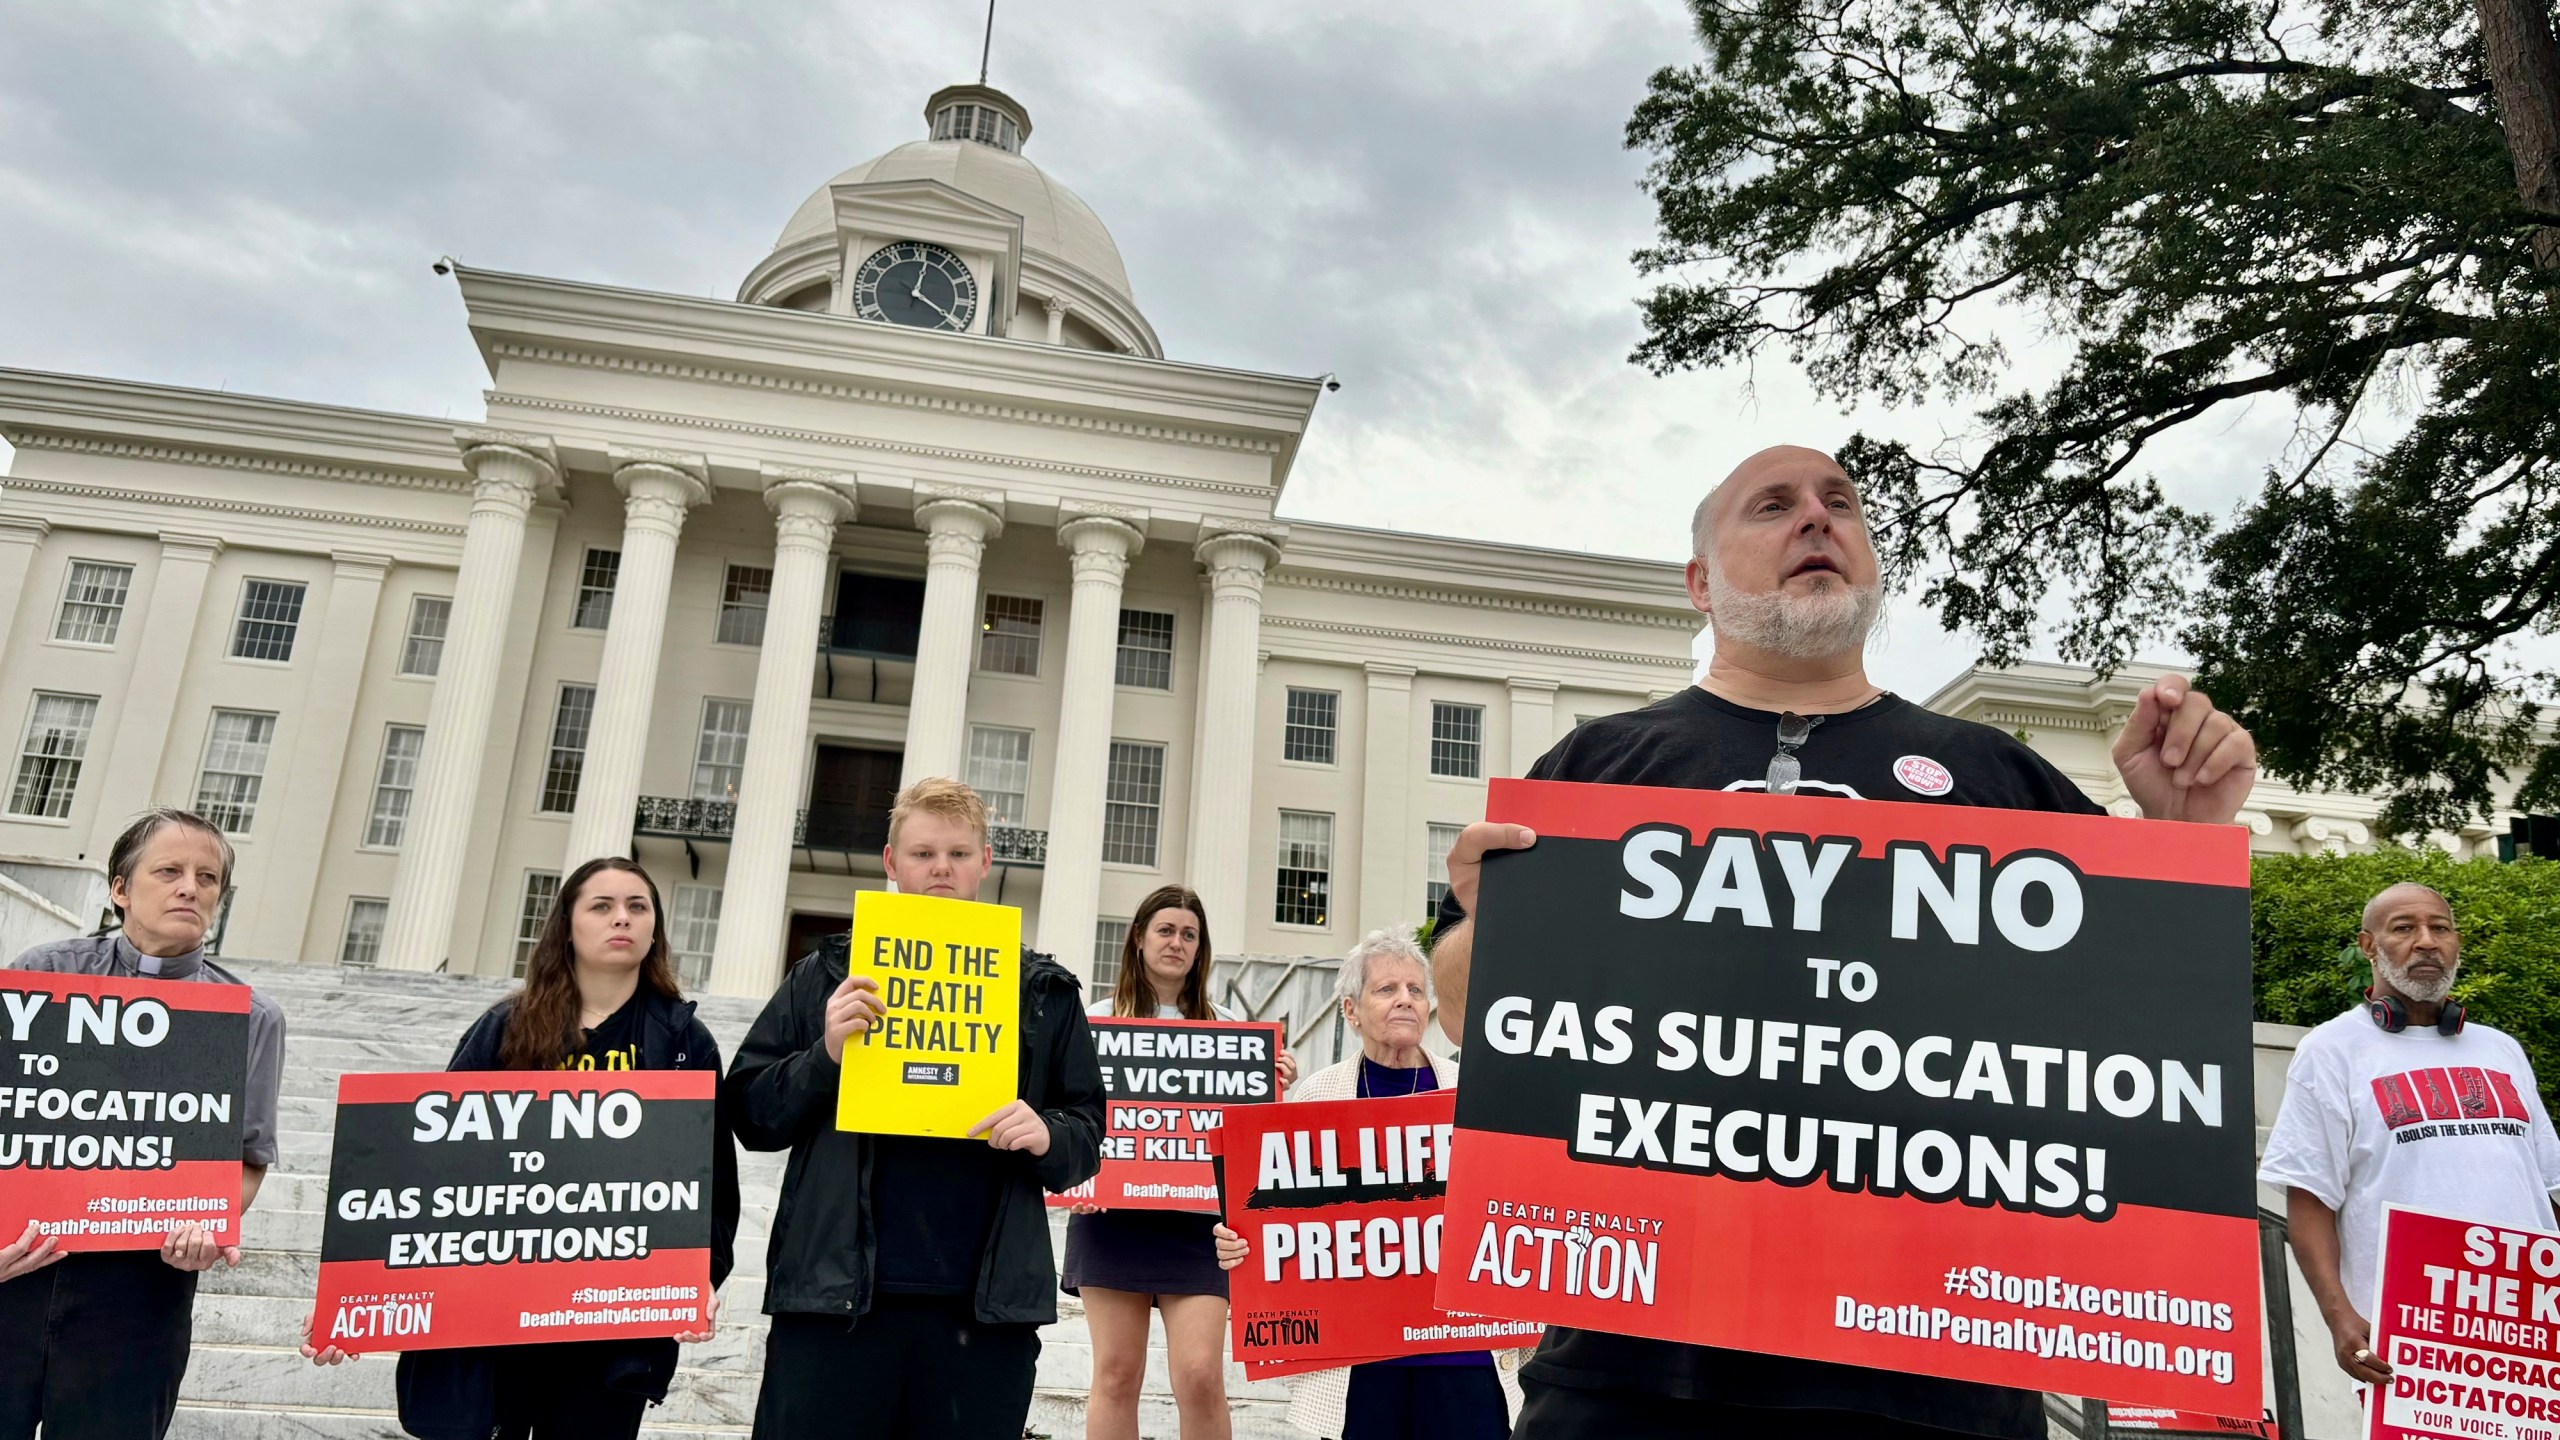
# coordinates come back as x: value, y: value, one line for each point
x: 2304, y: 910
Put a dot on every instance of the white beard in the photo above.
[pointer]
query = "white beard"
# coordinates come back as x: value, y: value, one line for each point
x: 1833, y: 620
x: 2430, y: 992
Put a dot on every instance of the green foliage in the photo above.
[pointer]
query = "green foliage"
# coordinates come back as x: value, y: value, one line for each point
x: 2213, y: 203
x: 2303, y: 911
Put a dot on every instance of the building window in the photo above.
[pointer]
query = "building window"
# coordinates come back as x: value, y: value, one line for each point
x: 1133, y: 803
x: 394, y: 781
x: 1000, y: 771
x: 1435, y: 865
x: 422, y: 653
x: 541, y: 889
x: 720, y: 755
x: 693, y: 932
x: 363, y: 942
x: 1306, y: 868
x: 982, y: 123
x: 92, y: 602
x: 1146, y: 650
x: 1314, y: 718
x: 1457, y: 740
x: 595, y: 590
x: 1009, y: 637
x: 270, y: 613
x: 235, y: 767
x: 49, y: 755
x: 568, y: 759
x: 744, y: 595
x: 1108, y: 934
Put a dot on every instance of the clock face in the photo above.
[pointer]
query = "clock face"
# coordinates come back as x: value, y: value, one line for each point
x: 914, y: 283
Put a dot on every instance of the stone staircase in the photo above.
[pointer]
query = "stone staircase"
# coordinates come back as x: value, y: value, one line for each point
x: 248, y: 1382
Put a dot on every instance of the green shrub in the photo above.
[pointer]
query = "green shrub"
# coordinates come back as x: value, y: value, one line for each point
x: 2303, y: 913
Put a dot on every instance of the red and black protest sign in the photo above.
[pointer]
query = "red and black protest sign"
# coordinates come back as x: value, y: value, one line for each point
x: 1956, y: 1091
x: 2467, y: 1316
x: 121, y: 1107
x: 1340, y: 1204
x: 513, y: 1207
x: 1165, y: 1085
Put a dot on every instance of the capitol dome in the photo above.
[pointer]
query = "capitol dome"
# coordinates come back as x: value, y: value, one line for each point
x: 1069, y: 265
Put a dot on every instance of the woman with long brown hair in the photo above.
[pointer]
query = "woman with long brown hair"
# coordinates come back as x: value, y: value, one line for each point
x: 1126, y: 1263
x: 599, y: 993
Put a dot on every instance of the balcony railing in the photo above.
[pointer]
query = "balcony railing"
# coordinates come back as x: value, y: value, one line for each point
x: 866, y: 659
x: 836, y: 828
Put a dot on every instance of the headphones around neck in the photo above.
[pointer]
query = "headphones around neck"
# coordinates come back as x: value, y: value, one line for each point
x: 2393, y: 1016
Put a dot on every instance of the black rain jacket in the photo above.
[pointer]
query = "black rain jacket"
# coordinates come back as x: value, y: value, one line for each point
x: 453, y: 1394
x: 781, y: 1094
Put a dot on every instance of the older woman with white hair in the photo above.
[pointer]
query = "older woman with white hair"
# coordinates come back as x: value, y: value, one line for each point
x: 1385, y: 991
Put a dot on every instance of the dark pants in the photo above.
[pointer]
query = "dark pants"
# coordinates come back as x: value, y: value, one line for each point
x: 1562, y: 1412
x: 917, y: 1366
x: 1425, y: 1402
x: 92, y: 1347
x: 557, y: 1392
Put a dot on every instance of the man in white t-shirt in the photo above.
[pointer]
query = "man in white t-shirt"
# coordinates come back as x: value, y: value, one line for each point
x: 2400, y: 1102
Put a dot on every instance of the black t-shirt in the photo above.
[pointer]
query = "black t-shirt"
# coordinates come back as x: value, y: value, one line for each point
x: 613, y: 1045
x: 934, y: 1201
x: 1889, y: 750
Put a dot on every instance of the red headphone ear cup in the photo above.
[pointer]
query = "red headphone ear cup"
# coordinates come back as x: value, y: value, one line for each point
x: 2388, y: 1015
x: 2451, y: 1019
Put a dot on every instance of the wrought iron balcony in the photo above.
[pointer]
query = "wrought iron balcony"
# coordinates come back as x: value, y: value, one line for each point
x: 1018, y: 845
x: 839, y: 829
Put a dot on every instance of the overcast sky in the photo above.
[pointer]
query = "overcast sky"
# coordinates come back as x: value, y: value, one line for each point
x: 1431, y: 200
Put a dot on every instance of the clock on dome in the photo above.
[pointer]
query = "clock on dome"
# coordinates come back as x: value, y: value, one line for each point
x: 914, y: 282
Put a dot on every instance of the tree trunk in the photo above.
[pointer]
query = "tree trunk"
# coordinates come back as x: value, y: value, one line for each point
x: 2524, y: 74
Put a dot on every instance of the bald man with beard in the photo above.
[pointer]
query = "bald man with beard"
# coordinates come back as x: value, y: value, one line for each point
x: 2364, y: 1119
x: 1785, y: 574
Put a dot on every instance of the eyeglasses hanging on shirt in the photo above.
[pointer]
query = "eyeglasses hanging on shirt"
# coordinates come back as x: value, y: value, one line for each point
x: 1785, y: 771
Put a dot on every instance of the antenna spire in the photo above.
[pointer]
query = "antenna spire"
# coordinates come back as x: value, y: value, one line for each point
x: 988, y: 45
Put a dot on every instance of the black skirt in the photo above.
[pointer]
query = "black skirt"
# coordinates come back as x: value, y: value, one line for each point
x: 1144, y: 1252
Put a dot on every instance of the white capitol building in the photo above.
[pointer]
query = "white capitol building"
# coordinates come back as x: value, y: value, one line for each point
x: 712, y: 578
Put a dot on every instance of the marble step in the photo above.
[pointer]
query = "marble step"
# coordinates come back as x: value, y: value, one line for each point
x: 197, y: 1420
x: 269, y: 1322
x: 277, y: 1375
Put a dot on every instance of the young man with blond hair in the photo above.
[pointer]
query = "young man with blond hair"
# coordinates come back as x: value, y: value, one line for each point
x: 907, y: 1278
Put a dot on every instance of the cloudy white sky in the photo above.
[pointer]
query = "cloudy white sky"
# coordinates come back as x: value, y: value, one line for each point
x: 1429, y: 199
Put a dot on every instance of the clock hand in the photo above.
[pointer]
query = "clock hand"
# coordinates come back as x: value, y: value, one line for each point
x: 916, y: 293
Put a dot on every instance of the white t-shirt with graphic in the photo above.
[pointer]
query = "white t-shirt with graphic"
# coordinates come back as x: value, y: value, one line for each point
x: 2445, y: 1123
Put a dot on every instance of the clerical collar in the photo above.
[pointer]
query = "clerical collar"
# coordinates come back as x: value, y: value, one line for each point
x: 161, y: 967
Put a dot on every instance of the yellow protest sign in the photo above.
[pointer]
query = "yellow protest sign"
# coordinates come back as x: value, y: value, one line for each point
x: 943, y: 1056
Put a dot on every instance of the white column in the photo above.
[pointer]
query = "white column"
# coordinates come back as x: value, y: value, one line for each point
x: 1223, y: 759
x: 1533, y: 722
x: 1072, y: 878
x: 957, y: 525
x: 509, y: 472
x: 165, y: 636
x: 1390, y: 861
x: 1057, y: 312
x: 657, y: 487
x: 20, y: 537
x: 323, y: 757
x: 747, y: 957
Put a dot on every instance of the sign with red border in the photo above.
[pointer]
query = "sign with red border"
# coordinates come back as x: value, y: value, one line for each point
x: 517, y: 1207
x: 2467, y: 1316
x: 122, y: 1107
x: 1892, y: 1085
x: 1339, y: 1202
x: 1166, y: 1086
